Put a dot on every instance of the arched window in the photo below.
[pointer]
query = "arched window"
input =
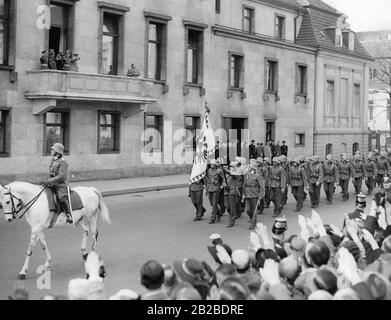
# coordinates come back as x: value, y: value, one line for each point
x: 329, y: 149
x: 344, y: 148
x: 356, y: 147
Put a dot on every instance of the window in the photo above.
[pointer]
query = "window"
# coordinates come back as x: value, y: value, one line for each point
x: 344, y: 107
x: 280, y: 27
x: 357, y: 99
x: 156, y: 53
x: 329, y: 149
x: 110, y: 44
x: 301, y: 80
x: 108, y: 132
x: 59, y: 26
x: 370, y: 112
x: 4, y: 132
x: 56, y: 130
x: 271, y: 75
x: 300, y: 139
x: 191, y: 125
x: 236, y: 71
x: 338, y: 37
x: 248, y: 19
x: 356, y: 147
x: 4, y: 31
x: 330, y: 98
x: 372, y: 74
x: 194, y: 56
x: 155, y: 122
x: 218, y: 6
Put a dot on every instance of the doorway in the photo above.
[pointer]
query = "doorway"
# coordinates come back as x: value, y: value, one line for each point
x: 270, y: 131
x: 235, y: 129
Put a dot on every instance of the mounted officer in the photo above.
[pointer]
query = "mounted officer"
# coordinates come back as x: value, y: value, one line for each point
x: 58, y: 181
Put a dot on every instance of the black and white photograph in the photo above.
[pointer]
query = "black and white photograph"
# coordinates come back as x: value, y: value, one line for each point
x: 214, y: 151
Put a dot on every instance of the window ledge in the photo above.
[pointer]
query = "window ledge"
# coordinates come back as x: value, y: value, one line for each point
x: 108, y: 152
x: 4, y: 155
x: 301, y: 95
x: 236, y: 89
x: 163, y: 82
x: 6, y: 67
x: 299, y: 145
x: 271, y: 91
x: 195, y: 85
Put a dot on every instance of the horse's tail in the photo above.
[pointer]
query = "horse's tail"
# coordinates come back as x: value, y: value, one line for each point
x: 104, y: 211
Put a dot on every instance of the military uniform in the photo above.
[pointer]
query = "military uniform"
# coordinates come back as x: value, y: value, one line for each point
x: 383, y: 169
x: 214, y: 181
x: 266, y: 200
x: 196, y: 190
x: 298, y: 181
x: 233, y: 197
x: 286, y: 169
x: 370, y: 174
x: 277, y: 183
x: 345, y: 172
x: 253, y: 192
x: 58, y: 180
x: 315, y: 180
x: 331, y: 177
x: 358, y: 175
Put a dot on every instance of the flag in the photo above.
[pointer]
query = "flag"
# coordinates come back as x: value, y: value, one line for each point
x: 205, y: 149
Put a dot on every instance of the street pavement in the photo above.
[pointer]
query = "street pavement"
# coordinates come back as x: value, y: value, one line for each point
x: 152, y: 225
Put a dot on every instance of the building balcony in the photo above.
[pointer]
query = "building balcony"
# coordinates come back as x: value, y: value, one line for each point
x: 46, y: 87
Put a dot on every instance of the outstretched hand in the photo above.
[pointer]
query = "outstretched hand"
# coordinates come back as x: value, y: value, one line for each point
x: 223, y: 255
x: 269, y: 272
x: 348, y: 266
x: 336, y: 231
x: 263, y: 234
x: 255, y: 241
x: 318, y: 223
x: 304, y: 232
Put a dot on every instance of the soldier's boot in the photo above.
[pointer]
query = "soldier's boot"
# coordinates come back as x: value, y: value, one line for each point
x: 67, y: 210
x: 231, y: 222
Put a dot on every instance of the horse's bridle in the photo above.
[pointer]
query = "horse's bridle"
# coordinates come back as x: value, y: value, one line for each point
x: 17, y: 209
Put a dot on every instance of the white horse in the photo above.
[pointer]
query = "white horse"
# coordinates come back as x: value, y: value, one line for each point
x: 17, y: 197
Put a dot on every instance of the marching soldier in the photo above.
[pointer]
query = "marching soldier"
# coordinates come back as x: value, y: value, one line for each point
x: 304, y: 164
x: 196, y: 190
x: 298, y: 181
x: 345, y: 172
x: 285, y: 167
x: 267, y: 166
x: 214, y: 181
x: 315, y: 180
x: 277, y: 185
x: 233, y: 194
x: 383, y: 168
x: 253, y: 193
x: 370, y: 172
x: 264, y: 172
x: 358, y: 173
x: 331, y: 178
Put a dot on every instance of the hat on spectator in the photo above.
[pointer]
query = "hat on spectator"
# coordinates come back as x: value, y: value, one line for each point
x: 280, y: 226
x: 326, y: 280
x: 126, y: 294
x: 216, y: 238
x: 298, y: 244
x: 241, y: 259
x: 189, y: 270
x: 361, y: 200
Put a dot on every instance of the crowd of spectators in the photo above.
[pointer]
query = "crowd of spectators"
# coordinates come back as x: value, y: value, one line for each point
x: 322, y: 262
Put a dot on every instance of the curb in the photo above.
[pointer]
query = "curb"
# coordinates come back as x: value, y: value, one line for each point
x: 142, y: 190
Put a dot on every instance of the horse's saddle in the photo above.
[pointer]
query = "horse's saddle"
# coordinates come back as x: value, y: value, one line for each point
x: 54, y: 203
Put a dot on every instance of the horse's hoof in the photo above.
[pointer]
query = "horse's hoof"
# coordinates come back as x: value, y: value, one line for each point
x: 21, y: 276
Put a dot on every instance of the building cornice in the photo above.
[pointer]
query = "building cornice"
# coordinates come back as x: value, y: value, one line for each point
x: 280, y: 5
x: 343, y: 55
x: 261, y: 39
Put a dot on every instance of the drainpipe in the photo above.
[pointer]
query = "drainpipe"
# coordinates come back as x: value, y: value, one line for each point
x: 315, y: 100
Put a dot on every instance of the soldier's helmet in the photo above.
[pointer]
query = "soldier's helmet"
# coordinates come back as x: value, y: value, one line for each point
x: 276, y: 160
x: 59, y: 148
x: 267, y: 159
x: 329, y: 157
x: 213, y: 162
x: 295, y: 160
x: 253, y: 162
x: 259, y: 160
x: 283, y: 158
x: 383, y: 154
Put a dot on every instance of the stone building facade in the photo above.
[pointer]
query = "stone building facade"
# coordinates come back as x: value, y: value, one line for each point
x: 247, y: 59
